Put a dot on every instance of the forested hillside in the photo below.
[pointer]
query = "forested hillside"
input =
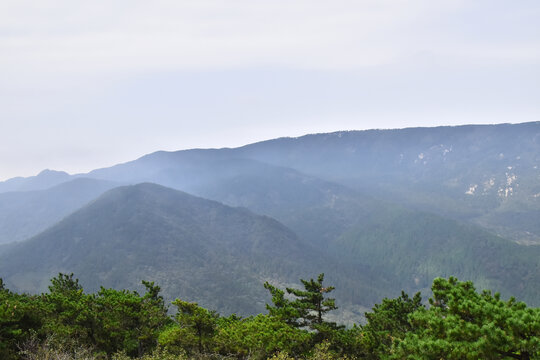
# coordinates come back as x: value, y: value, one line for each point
x: 489, y: 174
x: 197, y: 249
x: 458, y: 323
x: 379, y: 211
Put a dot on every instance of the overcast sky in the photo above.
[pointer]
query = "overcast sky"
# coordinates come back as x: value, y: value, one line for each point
x: 87, y: 84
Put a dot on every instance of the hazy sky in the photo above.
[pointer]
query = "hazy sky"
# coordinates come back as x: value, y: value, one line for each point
x: 87, y: 84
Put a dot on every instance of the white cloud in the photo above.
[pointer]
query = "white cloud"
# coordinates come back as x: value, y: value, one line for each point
x: 67, y: 36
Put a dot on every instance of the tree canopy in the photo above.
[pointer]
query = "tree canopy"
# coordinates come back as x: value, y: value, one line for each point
x: 457, y: 323
x: 464, y: 324
x: 308, y: 306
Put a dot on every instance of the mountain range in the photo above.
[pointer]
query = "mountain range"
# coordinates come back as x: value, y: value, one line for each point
x: 378, y: 211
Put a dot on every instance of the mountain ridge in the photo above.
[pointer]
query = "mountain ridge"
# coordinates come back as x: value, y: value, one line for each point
x: 24, y: 214
x: 194, y: 248
x: 446, y: 198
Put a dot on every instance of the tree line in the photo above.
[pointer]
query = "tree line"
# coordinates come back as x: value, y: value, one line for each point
x: 457, y: 322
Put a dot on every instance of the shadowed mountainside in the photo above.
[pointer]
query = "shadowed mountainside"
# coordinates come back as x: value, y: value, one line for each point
x: 194, y: 248
x: 24, y: 214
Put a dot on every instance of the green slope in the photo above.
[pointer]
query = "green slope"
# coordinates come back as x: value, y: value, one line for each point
x: 418, y: 247
x: 407, y: 248
x: 196, y: 249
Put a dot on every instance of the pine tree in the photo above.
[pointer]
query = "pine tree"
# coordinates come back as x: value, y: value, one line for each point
x: 464, y: 324
x: 309, y: 306
x: 196, y: 325
x: 282, y: 308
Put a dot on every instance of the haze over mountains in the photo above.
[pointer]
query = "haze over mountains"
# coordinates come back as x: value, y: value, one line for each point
x: 179, y: 240
x: 378, y: 211
x: 26, y: 213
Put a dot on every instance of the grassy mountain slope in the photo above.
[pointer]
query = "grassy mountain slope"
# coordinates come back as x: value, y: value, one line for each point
x: 24, y: 214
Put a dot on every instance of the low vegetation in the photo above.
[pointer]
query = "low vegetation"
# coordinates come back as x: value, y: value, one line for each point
x: 458, y: 323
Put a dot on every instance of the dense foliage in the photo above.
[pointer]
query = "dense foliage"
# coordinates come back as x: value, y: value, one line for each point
x: 458, y: 323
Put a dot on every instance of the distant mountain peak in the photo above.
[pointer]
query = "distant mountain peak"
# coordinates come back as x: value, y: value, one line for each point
x: 50, y: 172
x: 44, y: 180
